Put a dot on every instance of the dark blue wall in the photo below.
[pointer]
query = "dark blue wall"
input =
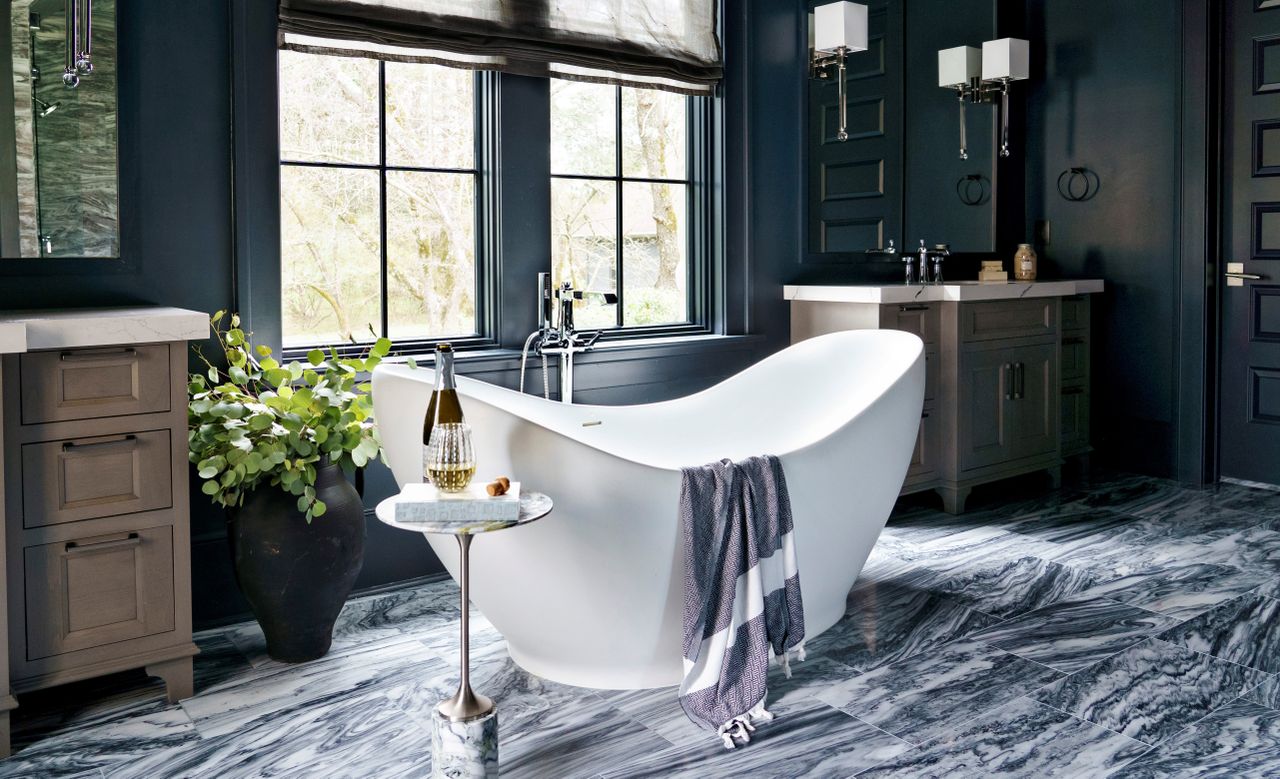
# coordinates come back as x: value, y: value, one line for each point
x: 1105, y: 95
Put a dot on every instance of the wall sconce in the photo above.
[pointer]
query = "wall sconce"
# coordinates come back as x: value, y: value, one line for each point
x: 835, y: 30
x: 978, y: 76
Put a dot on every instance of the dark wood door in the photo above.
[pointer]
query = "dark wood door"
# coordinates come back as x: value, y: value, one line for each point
x: 1250, y: 372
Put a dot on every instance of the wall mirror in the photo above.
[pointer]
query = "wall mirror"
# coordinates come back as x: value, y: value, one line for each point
x: 899, y: 175
x: 59, y: 177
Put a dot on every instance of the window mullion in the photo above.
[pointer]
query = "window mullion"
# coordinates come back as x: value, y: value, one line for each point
x: 385, y: 305
x: 618, y: 233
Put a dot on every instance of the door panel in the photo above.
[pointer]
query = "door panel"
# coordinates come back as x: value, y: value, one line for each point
x: 1035, y: 410
x: 1250, y: 371
x: 986, y: 397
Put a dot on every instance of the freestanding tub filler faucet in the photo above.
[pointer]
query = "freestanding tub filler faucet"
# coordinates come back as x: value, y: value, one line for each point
x: 556, y: 335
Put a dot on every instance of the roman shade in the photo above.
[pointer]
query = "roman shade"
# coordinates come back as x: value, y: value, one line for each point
x: 664, y: 44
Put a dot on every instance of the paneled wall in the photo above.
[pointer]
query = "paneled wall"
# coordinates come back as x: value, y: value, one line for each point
x: 1105, y: 95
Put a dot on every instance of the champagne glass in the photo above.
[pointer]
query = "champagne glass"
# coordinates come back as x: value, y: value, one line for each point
x: 450, y: 460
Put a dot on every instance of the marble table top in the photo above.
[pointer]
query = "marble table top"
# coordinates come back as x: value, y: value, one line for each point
x: 533, y: 506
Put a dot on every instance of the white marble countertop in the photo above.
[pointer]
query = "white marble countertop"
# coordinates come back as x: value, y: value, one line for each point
x: 958, y: 291
x: 81, y: 327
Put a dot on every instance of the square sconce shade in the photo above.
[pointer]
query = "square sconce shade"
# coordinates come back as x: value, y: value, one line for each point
x: 956, y: 67
x: 1008, y: 59
x: 840, y: 24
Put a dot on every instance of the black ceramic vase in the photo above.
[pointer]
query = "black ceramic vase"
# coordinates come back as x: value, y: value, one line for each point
x: 296, y: 575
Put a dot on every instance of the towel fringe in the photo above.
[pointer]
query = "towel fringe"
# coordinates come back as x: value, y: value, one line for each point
x: 739, y: 729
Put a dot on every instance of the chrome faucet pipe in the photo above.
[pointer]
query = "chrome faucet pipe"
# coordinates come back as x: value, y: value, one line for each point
x: 70, y: 76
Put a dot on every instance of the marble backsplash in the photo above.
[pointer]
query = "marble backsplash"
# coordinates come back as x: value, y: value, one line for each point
x: 68, y: 185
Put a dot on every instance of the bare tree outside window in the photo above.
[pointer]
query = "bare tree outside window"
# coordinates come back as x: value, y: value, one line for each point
x: 378, y: 188
x: 619, y: 201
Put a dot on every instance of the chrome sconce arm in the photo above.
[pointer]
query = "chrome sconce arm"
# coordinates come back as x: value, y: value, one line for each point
x: 836, y: 30
x: 983, y: 76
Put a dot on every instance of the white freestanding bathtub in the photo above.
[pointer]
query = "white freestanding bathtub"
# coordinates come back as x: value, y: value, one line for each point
x: 591, y: 595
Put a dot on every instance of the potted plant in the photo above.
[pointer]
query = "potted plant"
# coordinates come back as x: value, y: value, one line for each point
x: 273, y: 444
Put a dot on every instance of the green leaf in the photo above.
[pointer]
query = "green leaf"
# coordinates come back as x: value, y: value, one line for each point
x: 263, y: 350
x: 318, y: 509
x: 315, y: 356
x: 210, y: 488
x: 381, y: 348
x: 413, y: 364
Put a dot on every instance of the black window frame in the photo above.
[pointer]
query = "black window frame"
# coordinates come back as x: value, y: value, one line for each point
x: 698, y: 211
x: 486, y: 254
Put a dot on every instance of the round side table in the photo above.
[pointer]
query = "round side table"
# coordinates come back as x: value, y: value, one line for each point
x: 464, y: 736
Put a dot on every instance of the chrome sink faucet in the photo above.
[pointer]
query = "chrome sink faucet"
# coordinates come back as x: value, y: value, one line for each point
x: 924, y: 254
x: 557, y: 336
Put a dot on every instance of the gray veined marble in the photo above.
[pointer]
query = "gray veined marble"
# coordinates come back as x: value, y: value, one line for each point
x: 464, y: 750
x: 999, y: 587
x: 1151, y: 690
x: 1181, y: 591
x: 1245, y: 630
x: 1019, y: 739
x: 930, y: 694
x: 915, y: 681
x: 1241, y: 740
x: 1072, y: 635
x: 887, y: 622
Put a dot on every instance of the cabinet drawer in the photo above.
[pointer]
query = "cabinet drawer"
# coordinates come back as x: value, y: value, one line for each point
x: 1008, y: 319
x: 99, y: 590
x: 83, y: 478
x: 1075, y: 312
x: 918, y: 318
x: 1075, y: 357
x: 94, y: 383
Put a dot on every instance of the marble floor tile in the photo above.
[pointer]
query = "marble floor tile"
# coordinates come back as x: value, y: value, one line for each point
x: 1245, y: 630
x: 1264, y: 502
x: 887, y: 622
x: 1241, y: 740
x: 812, y: 741
x: 95, y: 744
x: 1181, y: 591
x: 930, y: 694
x: 262, y: 695
x: 999, y: 587
x: 1266, y: 694
x: 582, y: 739
x: 1151, y: 690
x: 1072, y: 635
x: 1021, y: 739
x: 355, y: 736
x: 660, y: 710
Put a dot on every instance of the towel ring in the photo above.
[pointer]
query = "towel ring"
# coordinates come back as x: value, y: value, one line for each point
x: 973, y: 190
x: 1078, y: 184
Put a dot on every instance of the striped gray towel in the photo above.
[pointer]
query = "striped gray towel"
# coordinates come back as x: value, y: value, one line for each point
x: 742, y: 591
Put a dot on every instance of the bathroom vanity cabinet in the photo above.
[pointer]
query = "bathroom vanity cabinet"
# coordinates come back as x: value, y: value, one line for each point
x: 1006, y: 367
x: 96, y: 552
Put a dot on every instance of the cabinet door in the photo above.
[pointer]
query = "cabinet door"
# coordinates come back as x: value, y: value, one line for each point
x: 1035, y: 419
x: 986, y: 400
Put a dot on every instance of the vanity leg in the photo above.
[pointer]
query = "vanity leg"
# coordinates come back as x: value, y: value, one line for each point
x: 4, y: 734
x: 953, y: 498
x: 1055, y: 477
x: 177, y: 676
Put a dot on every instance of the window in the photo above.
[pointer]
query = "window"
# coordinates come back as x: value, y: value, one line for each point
x: 379, y: 201
x: 621, y: 200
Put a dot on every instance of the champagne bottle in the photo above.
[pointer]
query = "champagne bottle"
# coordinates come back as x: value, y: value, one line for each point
x: 444, y: 407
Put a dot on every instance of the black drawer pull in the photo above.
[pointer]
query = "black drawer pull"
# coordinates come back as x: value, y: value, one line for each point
x: 913, y: 307
x: 128, y: 443
x: 75, y: 547
x: 99, y: 356
x: 1073, y: 390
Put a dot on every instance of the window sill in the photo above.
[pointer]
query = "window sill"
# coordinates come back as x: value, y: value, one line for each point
x: 604, y: 351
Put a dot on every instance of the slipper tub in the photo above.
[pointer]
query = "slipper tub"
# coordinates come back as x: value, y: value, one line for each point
x: 592, y: 594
